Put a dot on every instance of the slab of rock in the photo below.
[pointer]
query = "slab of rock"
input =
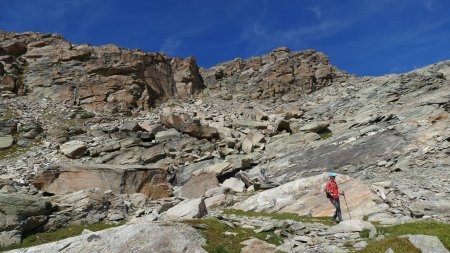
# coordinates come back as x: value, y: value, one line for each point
x: 348, y: 226
x: 167, y: 135
x: 153, y: 154
x: 21, y: 213
x: 251, y: 124
x: 198, y: 185
x: 173, y: 121
x: 139, y: 237
x: 130, y: 126
x: 306, y: 196
x: 121, y: 179
x: 6, y: 141
x: 218, y: 191
x: 187, y: 209
x: 439, y: 207
x: 427, y: 243
x: 256, y: 245
x: 201, y: 132
x: 315, y: 126
x: 247, y: 146
x: 235, y: 184
x: 91, y: 204
x: 218, y: 169
x: 215, y: 201
x: 74, y: 149
x: 240, y: 162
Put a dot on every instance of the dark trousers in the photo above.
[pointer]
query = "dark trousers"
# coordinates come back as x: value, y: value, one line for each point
x: 337, y: 205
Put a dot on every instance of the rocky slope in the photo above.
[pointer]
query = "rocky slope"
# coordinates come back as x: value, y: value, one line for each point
x: 108, y: 134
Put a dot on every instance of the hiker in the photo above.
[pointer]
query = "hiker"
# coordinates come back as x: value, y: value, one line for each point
x: 332, y: 192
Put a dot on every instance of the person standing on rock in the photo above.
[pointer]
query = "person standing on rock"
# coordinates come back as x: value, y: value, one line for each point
x: 332, y: 192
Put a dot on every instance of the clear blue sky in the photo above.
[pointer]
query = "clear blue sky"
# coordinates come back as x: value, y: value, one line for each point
x: 365, y: 37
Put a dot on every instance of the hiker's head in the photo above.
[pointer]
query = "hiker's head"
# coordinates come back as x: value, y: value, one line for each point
x: 332, y: 175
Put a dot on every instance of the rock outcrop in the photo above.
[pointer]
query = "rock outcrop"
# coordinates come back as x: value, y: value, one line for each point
x: 119, y: 179
x: 276, y: 74
x: 306, y: 196
x: 21, y: 213
x: 140, y: 237
x: 105, y: 78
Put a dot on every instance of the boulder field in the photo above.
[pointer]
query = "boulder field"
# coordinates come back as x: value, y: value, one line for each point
x: 102, y: 134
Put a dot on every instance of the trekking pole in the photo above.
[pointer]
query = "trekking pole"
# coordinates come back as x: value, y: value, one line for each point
x: 348, y: 210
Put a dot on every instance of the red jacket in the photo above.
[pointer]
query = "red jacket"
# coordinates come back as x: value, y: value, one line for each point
x: 332, y: 189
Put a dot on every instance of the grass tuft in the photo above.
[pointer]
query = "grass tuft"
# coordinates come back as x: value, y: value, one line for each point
x: 217, y: 242
x: 59, y: 234
x: 281, y: 216
x: 365, y: 233
x: 441, y: 230
x: 399, y: 244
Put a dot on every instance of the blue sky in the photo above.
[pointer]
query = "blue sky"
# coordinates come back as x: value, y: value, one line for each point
x: 364, y: 37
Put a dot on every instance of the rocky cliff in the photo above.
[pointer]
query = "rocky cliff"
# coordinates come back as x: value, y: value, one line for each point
x: 103, y: 78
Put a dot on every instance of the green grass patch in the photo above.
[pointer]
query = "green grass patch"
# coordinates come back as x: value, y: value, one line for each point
x: 218, y: 242
x: 393, y: 233
x: 59, y: 234
x: 365, y: 233
x: 399, y: 245
x: 281, y: 216
x: 325, y: 134
x: 441, y: 230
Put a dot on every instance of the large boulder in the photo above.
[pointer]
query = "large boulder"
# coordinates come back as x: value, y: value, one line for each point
x: 20, y: 213
x: 6, y: 141
x: 74, y: 149
x: 438, y: 207
x: 198, y: 185
x: 315, y: 127
x: 187, y: 209
x: 256, y: 245
x: 201, y: 132
x: 427, y: 243
x: 306, y: 196
x: 139, y: 237
x: 235, y: 184
x: 349, y: 226
x: 120, y: 179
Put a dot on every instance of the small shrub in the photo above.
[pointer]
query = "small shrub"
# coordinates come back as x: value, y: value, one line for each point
x: 365, y: 233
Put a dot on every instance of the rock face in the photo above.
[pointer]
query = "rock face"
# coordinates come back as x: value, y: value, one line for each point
x: 74, y: 149
x: 6, y: 141
x: 272, y: 75
x: 198, y: 185
x: 21, y: 213
x: 306, y: 197
x: 120, y: 179
x: 105, y: 78
x: 187, y: 209
x: 349, y: 226
x: 256, y: 245
x: 142, y: 237
x: 427, y: 244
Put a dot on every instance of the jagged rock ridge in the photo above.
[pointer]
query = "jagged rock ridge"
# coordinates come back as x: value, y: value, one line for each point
x: 103, y: 78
